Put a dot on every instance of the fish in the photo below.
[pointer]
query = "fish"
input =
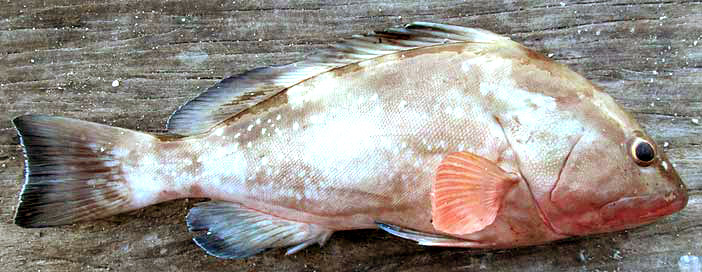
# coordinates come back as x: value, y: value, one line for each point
x: 441, y: 134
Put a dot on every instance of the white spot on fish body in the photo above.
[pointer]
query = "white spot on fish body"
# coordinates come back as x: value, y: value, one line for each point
x: 443, y: 144
x: 263, y: 131
x: 402, y: 104
x: 457, y: 112
x: 295, y: 126
x: 115, y: 83
x: 149, y: 159
x: 258, y: 121
x: 323, y: 85
x: 403, y: 144
x: 278, y: 117
x: 219, y: 131
x: 250, y: 127
x: 238, y: 134
x: 311, y: 193
x: 315, y: 119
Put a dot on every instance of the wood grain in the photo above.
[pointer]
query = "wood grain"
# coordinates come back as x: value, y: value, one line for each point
x: 62, y: 57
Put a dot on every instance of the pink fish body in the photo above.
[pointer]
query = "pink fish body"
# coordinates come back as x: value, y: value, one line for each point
x: 445, y: 135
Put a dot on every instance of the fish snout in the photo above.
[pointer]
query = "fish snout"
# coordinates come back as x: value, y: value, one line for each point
x: 662, y: 193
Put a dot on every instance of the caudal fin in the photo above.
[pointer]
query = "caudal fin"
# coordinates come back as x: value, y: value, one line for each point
x: 70, y: 175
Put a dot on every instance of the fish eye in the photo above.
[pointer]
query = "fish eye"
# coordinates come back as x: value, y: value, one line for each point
x: 643, y: 152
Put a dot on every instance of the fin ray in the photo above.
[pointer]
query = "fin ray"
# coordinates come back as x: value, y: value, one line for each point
x: 426, y: 239
x: 68, y: 178
x: 235, y: 94
x: 234, y: 231
x: 468, y: 193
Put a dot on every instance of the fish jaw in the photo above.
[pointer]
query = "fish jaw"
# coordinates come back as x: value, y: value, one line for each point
x: 634, y: 211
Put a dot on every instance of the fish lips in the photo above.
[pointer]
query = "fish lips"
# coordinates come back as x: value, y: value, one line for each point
x: 637, y: 210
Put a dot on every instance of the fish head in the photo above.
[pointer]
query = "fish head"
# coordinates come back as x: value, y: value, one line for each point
x: 614, y: 177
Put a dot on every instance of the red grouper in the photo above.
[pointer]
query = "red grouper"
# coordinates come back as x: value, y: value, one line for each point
x: 441, y: 134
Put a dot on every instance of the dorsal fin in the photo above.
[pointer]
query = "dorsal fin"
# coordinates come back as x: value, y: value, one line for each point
x: 237, y: 93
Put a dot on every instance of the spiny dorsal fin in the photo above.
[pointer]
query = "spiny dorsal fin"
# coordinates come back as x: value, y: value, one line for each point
x: 237, y: 93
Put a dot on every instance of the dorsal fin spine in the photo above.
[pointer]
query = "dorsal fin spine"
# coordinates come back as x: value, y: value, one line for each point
x: 233, y: 95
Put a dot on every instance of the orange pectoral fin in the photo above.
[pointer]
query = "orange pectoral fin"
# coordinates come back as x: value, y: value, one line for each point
x: 468, y: 193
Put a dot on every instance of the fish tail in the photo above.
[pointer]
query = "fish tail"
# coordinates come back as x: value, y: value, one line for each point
x: 70, y: 172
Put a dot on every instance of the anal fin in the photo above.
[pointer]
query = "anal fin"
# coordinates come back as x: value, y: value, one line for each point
x: 234, y: 231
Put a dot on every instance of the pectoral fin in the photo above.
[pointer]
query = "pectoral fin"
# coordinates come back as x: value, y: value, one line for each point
x: 468, y: 193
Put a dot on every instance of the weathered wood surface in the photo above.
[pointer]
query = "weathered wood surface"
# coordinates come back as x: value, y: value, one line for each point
x: 61, y: 58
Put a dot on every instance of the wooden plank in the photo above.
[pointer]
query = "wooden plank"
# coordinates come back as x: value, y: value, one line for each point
x: 62, y: 57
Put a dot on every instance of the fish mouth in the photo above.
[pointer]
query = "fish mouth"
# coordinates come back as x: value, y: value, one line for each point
x: 633, y: 211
